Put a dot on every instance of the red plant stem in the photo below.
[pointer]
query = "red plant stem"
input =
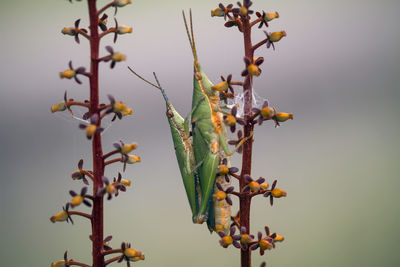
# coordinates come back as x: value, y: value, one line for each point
x: 245, y: 199
x: 98, y: 164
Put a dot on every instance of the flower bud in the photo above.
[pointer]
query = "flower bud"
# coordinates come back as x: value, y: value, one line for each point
x: 220, y: 195
x: 76, y: 201
x: 254, y: 186
x: 121, y: 3
x: 60, y: 263
x: 125, y: 182
x: 254, y: 70
x: 59, y: 217
x: 132, y: 159
x: 126, y: 148
x: 276, y: 36
x: 68, y: 74
x: 230, y: 120
x: 226, y: 241
x: 117, y: 57
x: 90, y: 130
x: 264, y: 186
x: 70, y: 31
x: 276, y: 192
x: 218, y: 12
x: 242, y: 11
x: 130, y: 252
x: 58, y: 107
x: 267, y: 112
x: 271, y: 15
x: 264, y: 244
x: 222, y: 169
x: 221, y: 87
x: 278, y: 238
x: 127, y: 111
x: 245, y: 239
x: 124, y: 29
x: 282, y: 117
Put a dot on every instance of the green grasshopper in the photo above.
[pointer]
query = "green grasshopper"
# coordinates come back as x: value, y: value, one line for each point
x: 199, y: 154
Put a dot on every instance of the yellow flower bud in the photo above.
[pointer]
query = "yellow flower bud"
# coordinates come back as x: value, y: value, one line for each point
x: 264, y: 186
x: 90, y: 130
x: 119, y: 106
x: 121, y: 3
x: 126, y: 148
x: 220, y: 195
x: 267, y: 112
x: 69, y: 31
x: 276, y: 192
x: 264, y: 244
x: 67, y: 74
x: 253, y: 70
x: 133, y: 159
x: 230, y: 120
x: 281, y: 116
x: 60, y: 263
x: 126, y: 112
x: 125, y: 182
x: 222, y: 169
x: 276, y: 36
x: 58, y: 107
x: 137, y: 258
x: 130, y: 252
x: 221, y: 87
x: 242, y: 11
x: 124, y: 29
x: 218, y: 12
x: 245, y: 239
x: 226, y: 241
x: 271, y: 15
x: 59, y: 217
x: 76, y: 201
x: 278, y: 238
x: 254, y: 186
x: 110, y: 189
x: 117, y: 57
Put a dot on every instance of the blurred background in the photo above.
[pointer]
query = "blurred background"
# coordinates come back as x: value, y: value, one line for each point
x: 338, y: 71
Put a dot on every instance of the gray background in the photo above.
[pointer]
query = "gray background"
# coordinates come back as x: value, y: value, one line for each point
x: 337, y: 71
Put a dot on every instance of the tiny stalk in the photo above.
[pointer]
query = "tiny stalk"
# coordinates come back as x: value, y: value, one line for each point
x: 95, y: 112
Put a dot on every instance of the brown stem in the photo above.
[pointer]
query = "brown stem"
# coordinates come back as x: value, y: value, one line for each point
x: 255, y: 22
x: 84, y: 34
x: 105, y: 7
x: 245, y: 199
x: 110, y: 30
x: 89, y: 174
x: 235, y: 193
x: 98, y: 163
x: 105, y: 58
x: 76, y: 103
x: 82, y: 214
x: 260, y: 44
x: 112, y: 260
x: 237, y: 83
x: 112, y: 251
x: 235, y: 175
x: 112, y: 161
x: 77, y: 263
x: 111, y: 153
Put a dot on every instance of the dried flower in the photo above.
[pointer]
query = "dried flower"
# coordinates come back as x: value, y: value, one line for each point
x: 266, y: 112
x: 110, y: 188
x: 80, y: 173
x: 265, y: 243
x: 119, y: 108
x: 103, y: 22
x: 266, y: 16
x: 221, y: 11
x: 243, y: 10
x: 130, y: 159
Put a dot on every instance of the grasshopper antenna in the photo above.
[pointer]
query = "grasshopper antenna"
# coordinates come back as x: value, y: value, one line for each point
x: 190, y: 33
x: 152, y: 84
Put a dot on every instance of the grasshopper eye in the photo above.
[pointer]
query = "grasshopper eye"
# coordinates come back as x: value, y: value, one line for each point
x: 170, y: 114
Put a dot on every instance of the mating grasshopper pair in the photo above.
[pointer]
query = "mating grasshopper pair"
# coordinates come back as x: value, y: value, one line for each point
x: 203, y: 150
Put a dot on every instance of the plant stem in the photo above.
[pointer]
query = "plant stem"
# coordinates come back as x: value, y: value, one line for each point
x: 245, y: 199
x: 98, y: 165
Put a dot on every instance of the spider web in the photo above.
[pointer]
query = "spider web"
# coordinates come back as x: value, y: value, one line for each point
x: 238, y: 100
